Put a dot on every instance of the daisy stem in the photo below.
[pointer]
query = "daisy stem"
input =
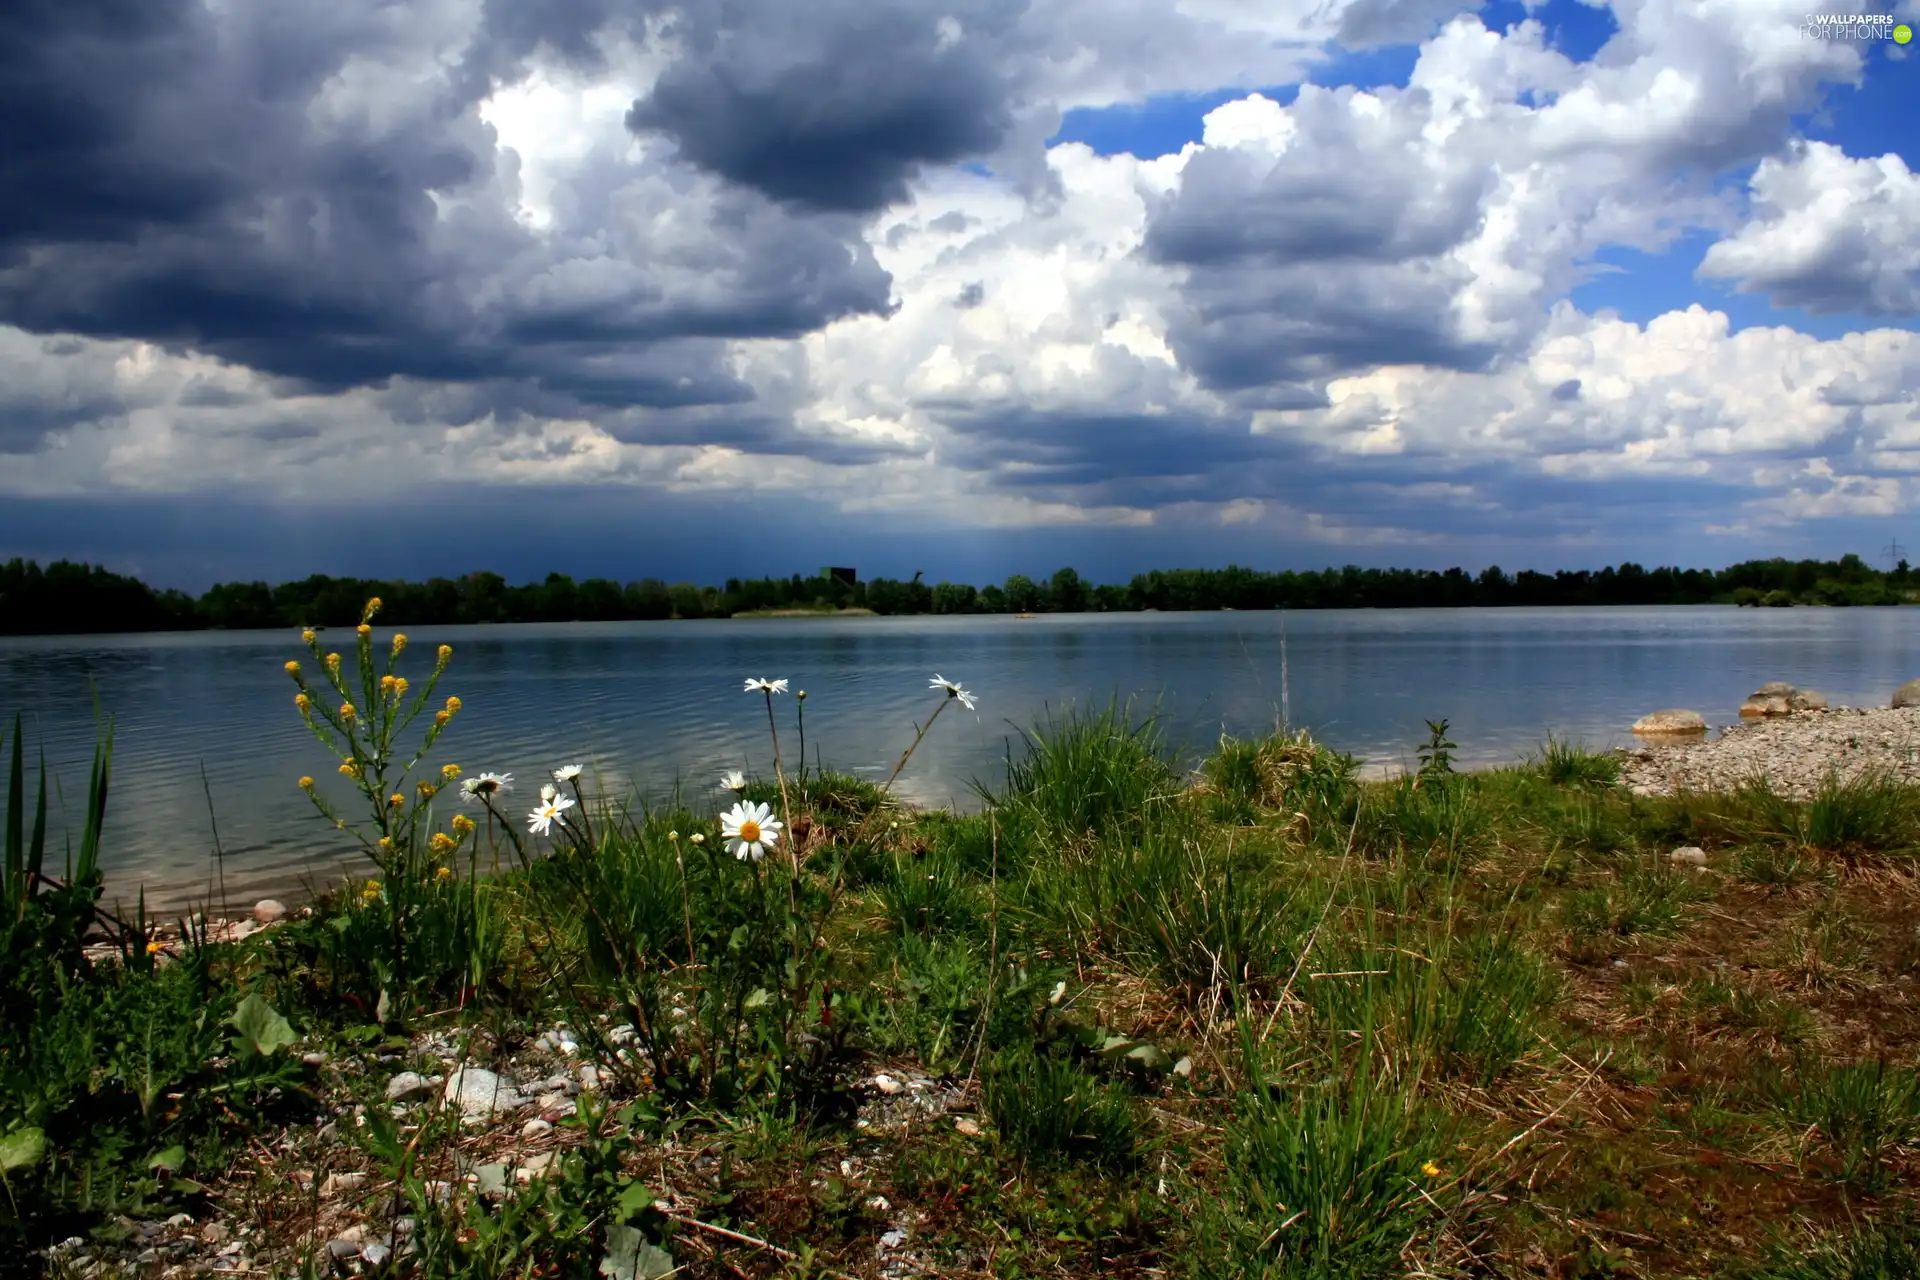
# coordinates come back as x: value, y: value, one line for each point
x: 800, y: 716
x: 586, y: 823
x: 786, y: 816
x: 915, y: 744
x: 686, y: 900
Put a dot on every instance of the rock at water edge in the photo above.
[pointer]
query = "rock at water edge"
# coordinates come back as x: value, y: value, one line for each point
x: 1907, y: 695
x: 1672, y: 720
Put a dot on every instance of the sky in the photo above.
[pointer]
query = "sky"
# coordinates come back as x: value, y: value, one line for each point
x: 966, y: 287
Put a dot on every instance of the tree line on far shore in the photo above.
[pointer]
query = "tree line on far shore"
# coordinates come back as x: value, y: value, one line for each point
x: 70, y: 598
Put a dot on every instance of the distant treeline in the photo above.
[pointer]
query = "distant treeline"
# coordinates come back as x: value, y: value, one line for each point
x: 66, y: 598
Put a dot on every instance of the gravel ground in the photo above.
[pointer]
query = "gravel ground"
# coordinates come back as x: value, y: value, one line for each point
x: 1793, y: 752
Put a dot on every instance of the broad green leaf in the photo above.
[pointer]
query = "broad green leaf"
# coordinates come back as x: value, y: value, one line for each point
x: 261, y: 1029
x: 491, y: 1179
x: 631, y: 1256
x: 21, y: 1149
x: 171, y: 1159
x: 757, y: 999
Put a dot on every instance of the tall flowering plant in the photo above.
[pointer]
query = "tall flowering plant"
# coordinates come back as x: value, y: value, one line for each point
x: 360, y: 718
x: 417, y: 926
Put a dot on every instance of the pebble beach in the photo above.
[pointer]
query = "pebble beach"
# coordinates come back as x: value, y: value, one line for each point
x: 1792, y: 752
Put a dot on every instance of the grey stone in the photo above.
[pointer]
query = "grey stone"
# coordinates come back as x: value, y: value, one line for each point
x: 407, y: 1084
x: 1907, y: 695
x: 375, y: 1254
x: 1690, y: 854
x: 344, y: 1250
x: 480, y: 1093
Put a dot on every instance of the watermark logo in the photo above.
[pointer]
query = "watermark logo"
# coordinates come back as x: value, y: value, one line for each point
x: 1855, y: 26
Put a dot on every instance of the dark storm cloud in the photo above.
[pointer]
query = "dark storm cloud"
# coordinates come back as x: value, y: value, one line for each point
x: 219, y: 189
x: 1378, y: 22
x: 834, y: 106
x: 1321, y: 261
x: 1568, y: 390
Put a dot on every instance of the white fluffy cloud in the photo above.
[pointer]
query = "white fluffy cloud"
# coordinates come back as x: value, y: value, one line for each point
x: 1344, y: 318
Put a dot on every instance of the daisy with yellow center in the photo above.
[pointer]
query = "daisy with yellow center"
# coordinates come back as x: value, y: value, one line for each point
x: 749, y: 830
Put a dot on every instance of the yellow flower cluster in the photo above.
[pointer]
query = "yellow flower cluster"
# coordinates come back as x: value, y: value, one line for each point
x: 449, y: 771
x: 333, y: 664
x: 442, y: 843
x: 346, y: 712
x: 372, y: 890
x: 441, y: 717
x: 426, y: 789
x: 153, y: 948
x: 453, y: 705
x: 399, y: 643
x: 446, y: 654
x: 351, y: 768
x: 293, y: 668
x: 443, y: 873
x: 373, y: 607
x: 397, y: 800
x: 303, y: 702
x: 306, y: 784
x: 462, y: 825
x: 307, y: 635
x: 386, y: 844
x: 400, y: 687
x: 364, y: 629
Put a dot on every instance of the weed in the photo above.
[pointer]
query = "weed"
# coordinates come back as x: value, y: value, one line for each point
x: 1565, y: 764
x: 1045, y: 1107
x: 1856, y: 1116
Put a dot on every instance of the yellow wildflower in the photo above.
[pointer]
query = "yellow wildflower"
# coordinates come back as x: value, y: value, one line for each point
x: 364, y: 630
x: 399, y: 643
x: 372, y: 890
x: 293, y: 668
x: 1431, y: 1169
x: 453, y: 704
x: 373, y: 607
x: 306, y: 784
x: 441, y: 717
x: 462, y: 824
x: 351, y: 768
x: 333, y: 663
x: 446, y: 654
x: 153, y: 948
x: 442, y: 843
x: 400, y: 687
x: 303, y: 702
x: 396, y: 800
x: 425, y: 788
x: 449, y: 771
x: 347, y: 712
x: 386, y: 844
x: 307, y: 635
x: 444, y: 873
x: 386, y: 684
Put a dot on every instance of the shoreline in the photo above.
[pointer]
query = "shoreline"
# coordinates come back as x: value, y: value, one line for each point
x: 1794, y: 753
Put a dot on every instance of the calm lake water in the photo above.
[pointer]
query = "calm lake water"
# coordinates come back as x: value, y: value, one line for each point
x: 655, y: 704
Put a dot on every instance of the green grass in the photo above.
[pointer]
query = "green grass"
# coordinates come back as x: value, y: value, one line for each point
x: 1260, y: 1018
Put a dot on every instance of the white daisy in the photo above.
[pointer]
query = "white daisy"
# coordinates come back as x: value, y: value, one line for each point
x: 768, y: 686
x: 953, y: 690
x: 566, y: 773
x: 546, y: 791
x: 733, y: 780
x: 541, y: 820
x: 749, y: 830
x: 485, y: 786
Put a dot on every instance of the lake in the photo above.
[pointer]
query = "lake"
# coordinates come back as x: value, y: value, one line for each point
x: 653, y: 705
